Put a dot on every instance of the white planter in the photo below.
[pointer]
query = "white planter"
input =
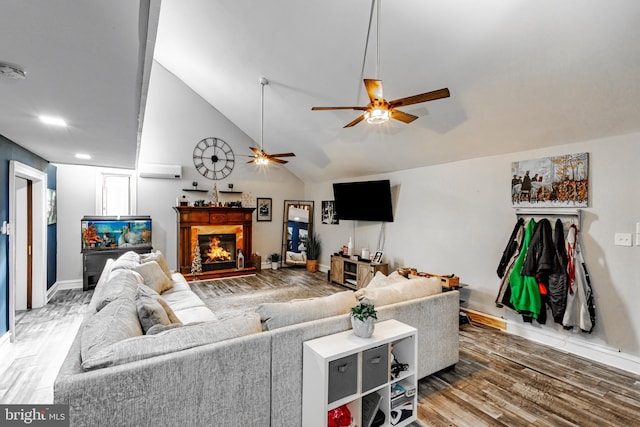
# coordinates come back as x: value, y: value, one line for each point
x: 274, y: 265
x: 363, y: 329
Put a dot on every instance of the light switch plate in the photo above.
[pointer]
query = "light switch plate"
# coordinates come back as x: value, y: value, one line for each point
x: 623, y: 239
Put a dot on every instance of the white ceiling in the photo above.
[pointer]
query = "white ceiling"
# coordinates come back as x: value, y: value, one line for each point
x: 522, y: 74
x: 85, y: 62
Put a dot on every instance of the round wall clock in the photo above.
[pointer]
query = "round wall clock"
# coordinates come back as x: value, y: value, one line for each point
x: 213, y: 158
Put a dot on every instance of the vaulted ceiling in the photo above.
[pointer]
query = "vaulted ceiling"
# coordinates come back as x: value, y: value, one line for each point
x: 522, y: 74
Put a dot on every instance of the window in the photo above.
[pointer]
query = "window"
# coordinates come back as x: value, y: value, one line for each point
x: 115, y: 194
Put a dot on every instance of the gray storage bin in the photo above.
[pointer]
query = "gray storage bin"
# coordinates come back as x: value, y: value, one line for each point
x: 343, y: 377
x: 375, y: 367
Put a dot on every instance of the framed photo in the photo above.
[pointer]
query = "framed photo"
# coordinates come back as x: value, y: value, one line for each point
x: 264, y: 208
x: 52, y: 210
x: 329, y: 212
x: 377, y: 257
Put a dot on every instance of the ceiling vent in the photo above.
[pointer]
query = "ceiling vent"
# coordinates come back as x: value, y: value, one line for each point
x: 150, y: 170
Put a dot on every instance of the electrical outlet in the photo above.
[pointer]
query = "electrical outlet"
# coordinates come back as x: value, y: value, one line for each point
x: 623, y: 239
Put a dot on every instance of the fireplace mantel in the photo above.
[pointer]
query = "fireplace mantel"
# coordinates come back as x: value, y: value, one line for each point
x: 189, y: 217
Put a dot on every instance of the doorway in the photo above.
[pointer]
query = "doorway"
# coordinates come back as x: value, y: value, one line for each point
x: 28, y: 237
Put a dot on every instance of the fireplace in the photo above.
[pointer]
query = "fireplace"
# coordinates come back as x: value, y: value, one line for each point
x: 229, y: 229
x: 217, y: 251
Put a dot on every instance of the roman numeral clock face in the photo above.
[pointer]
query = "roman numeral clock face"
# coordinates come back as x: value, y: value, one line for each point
x: 213, y: 158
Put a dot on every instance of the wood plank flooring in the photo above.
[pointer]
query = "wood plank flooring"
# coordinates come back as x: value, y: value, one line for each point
x: 501, y: 379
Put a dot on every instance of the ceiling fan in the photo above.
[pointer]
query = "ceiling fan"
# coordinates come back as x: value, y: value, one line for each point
x: 380, y: 110
x: 260, y: 156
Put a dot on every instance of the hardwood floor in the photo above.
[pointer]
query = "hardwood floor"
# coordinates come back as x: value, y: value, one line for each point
x: 501, y: 379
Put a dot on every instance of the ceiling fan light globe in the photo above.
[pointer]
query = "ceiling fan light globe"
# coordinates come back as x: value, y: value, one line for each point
x: 262, y: 161
x: 377, y: 115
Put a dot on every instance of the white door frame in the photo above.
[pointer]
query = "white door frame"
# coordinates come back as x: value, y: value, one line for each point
x: 39, y: 229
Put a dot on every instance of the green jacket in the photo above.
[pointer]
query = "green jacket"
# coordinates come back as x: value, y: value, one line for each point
x: 525, y: 294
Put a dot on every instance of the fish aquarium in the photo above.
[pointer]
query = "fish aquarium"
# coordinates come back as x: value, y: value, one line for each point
x: 110, y: 232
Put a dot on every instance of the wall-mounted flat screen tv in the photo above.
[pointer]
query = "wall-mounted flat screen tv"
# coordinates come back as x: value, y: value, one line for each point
x: 363, y: 201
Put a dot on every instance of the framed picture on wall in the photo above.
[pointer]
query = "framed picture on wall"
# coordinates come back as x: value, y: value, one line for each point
x: 52, y: 210
x: 264, y: 205
x: 377, y: 257
x: 329, y: 212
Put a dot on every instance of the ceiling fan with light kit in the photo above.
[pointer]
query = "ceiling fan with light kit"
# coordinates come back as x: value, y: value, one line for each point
x: 261, y: 157
x: 380, y: 110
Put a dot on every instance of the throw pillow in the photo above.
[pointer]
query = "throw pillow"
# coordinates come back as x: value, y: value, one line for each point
x: 150, y: 311
x: 114, y: 323
x: 280, y: 314
x: 121, y: 284
x: 158, y: 257
x: 157, y: 328
x: 378, y: 281
x: 153, y: 294
x: 127, y: 260
x: 154, y: 277
x: 401, y: 291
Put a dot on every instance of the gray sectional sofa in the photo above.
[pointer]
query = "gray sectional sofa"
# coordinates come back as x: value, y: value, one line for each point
x: 198, y: 370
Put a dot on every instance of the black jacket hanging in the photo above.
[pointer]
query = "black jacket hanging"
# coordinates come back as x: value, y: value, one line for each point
x: 510, y: 249
x: 558, y: 279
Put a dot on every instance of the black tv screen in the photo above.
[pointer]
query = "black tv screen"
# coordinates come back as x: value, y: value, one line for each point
x: 363, y: 201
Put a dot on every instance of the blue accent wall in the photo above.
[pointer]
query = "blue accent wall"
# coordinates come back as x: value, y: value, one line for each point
x: 11, y: 151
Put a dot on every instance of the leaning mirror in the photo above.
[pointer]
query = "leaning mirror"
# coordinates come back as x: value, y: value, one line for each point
x: 297, y: 225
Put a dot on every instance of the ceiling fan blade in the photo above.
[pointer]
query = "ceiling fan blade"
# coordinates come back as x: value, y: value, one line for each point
x: 255, y: 150
x: 355, y: 122
x: 252, y: 160
x: 423, y: 97
x: 272, y: 159
x: 337, y: 108
x: 402, y: 116
x: 282, y: 155
x: 374, y: 89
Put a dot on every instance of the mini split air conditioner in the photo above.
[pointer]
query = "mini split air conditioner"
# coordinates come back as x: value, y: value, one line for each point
x: 149, y: 170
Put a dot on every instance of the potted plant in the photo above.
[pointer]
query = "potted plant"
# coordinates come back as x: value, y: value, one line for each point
x: 363, y: 317
x: 274, y: 258
x: 313, y: 252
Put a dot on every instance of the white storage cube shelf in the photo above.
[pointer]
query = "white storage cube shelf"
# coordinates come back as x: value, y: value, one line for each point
x: 341, y: 369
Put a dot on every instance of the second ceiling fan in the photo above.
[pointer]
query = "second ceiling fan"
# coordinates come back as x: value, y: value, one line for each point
x: 260, y: 156
x: 380, y: 110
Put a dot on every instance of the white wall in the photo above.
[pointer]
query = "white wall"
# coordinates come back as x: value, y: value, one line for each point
x: 76, y: 192
x: 176, y: 119
x: 457, y: 217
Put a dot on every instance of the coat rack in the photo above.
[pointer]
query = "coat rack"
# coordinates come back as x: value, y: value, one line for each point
x: 566, y: 215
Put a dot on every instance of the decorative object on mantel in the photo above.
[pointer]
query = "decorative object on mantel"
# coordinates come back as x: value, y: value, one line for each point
x: 196, y: 265
x: 313, y: 252
x: 214, y: 196
x: 363, y: 317
x: 182, y: 201
x: 274, y: 259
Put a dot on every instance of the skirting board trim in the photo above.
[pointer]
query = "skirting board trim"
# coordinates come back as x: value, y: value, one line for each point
x: 485, y: 319
x: 568, y: 344
x: 63, y: 285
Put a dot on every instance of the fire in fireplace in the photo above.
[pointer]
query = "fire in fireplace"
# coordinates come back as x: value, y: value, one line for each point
x: 218, y: 251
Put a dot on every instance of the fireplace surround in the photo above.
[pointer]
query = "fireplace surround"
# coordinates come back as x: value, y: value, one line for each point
x: 220, y: 233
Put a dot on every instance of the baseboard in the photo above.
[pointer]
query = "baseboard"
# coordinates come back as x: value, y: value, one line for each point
x: 562, y: 342
x: 63, y: 285
x: 485, y: 319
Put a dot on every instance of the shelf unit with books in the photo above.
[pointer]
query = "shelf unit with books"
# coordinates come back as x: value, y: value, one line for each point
x: 365, y: 374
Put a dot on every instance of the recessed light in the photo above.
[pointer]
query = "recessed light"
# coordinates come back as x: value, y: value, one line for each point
x: 55, y: 121
x: 83, y: 156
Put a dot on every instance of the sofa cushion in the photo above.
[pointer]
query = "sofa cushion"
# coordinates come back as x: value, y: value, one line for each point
x: 127, y: 260
x: 153, y: 276
x: 174, y: 339
x: 400, y: 291
x: 150, y: 311
x: 158, y: 257
x: 116, y: 322
x: 121, y: 284
x: 195, y: 314
x: 280, y: 314
x: 183, y: 299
